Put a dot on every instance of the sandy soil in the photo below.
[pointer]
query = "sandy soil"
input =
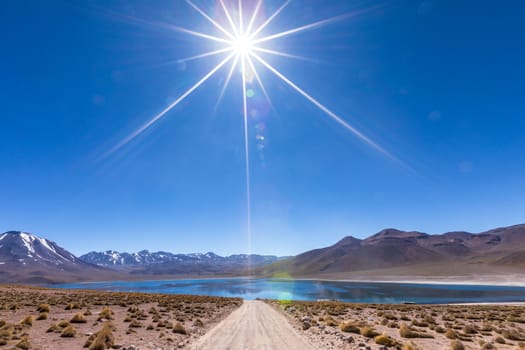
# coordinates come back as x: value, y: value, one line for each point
x: 255, y: 325
x: 134, y: 320
x: 334, y: 325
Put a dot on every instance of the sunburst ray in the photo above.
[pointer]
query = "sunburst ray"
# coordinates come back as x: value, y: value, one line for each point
x: 170, y: 107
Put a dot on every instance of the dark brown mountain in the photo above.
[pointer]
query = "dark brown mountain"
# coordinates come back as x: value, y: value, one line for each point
x: 412, y: 253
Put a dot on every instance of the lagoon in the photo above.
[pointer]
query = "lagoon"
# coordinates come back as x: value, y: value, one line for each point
x: 286, y: 289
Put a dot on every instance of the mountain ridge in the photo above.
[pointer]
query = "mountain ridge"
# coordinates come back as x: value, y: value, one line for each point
x: 412, y: 251
x: 30, y: 259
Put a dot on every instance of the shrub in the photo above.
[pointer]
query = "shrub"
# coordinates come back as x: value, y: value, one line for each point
x: 410, y: 346
x: 72, y: 306
x: 406, y: 332
x: 106, y: 313
x: 63, y: 324
x: 499, y: 340
x: 28, y: 321
x: 457, y: 345
x: 451, y: 334
x: 135, y: 324
x: 368, y: 332
x: 179, y: 329
x: 69, y: 332
x: 23, y: 344
x: 78, y: 318
x: 469, y: 330
x: 44, y: 308
x: 54, y: 328
x: 385, y: 340
x: 349, y: 327
x: 42, y: 316
x: 102, y: 340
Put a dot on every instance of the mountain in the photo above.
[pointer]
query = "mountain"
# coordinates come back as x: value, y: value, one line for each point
x: 392, y: 251
x: 157, y: 263
x: 30, y: 259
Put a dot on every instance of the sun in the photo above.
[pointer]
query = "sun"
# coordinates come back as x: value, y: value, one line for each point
x: 243, y: 45
x: 243, y: 48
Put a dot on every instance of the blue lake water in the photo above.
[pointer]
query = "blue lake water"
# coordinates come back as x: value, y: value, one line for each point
x: 360, y: 292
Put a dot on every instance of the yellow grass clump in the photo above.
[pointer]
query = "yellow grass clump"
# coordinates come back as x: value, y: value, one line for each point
x: 69, y: 332
x: 385, y: 340
x: 179, y: 329
x: 457, y: 345
x: 349, y: 327
x: 44, y: 308
x: 102, y: 340
x: 78, y: 318
x: 28, y: 321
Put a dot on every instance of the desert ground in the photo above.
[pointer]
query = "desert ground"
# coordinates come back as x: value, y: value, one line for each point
x: 335, y: 325
x: 32, y: 318
x: 37, y: 318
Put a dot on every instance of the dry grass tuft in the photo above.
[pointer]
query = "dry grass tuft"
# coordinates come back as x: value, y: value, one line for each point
x: 102, y: 340
x: 179, y: 329
x: 44, y: 308
x: 28, y: 321
x: 78, y: 318
x: 407, y: 332
x: 68, y: 332
x: 349, y: 327
x: 42, y: 316
x: 385, y: 340
x: 368, y: 332
x: 23, y: 343
x: 457, y: 345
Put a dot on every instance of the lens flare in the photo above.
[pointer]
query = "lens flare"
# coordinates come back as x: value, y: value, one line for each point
x: 243, y: 45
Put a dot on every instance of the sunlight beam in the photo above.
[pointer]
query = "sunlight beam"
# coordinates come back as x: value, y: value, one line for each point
x: 301, y: 28
x: 247, y: 159
x: 252, y: 20
x: 227, y: 82
x: 217, y: 25
x: 229, y: 17
x: 170, y: 107
x: 271, y: 18
x: 283, y: 54
x: 198, y: 34
x: 325, y: 109
x: 259, y: 81
x: 204, y: 55
x: 241, y: 25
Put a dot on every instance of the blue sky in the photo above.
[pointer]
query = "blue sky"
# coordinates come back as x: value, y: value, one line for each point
x: 439, y: 84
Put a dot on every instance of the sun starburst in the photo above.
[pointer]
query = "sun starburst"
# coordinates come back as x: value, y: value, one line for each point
x: 242, y: 46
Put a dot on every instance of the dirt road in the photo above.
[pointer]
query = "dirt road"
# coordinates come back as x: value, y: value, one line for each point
x: 255, y: 325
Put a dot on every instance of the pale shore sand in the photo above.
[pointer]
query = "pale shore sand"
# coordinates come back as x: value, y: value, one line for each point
x: 516, y: 280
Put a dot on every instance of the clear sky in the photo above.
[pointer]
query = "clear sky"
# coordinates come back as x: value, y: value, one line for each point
x: 439, y: 84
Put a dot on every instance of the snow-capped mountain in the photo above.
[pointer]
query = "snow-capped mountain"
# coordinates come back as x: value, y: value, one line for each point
x: 25, y: 248
x: 114, y: 259
x: 25, y: 257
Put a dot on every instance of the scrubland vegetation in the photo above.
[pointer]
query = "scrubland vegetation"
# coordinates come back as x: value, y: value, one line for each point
x: 32, y: 318
x: 335, y: 325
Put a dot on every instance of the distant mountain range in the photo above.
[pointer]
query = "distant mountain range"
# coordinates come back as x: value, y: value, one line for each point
x: 411, y: 253
x: 26, y: 258
x: 164, y: 263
